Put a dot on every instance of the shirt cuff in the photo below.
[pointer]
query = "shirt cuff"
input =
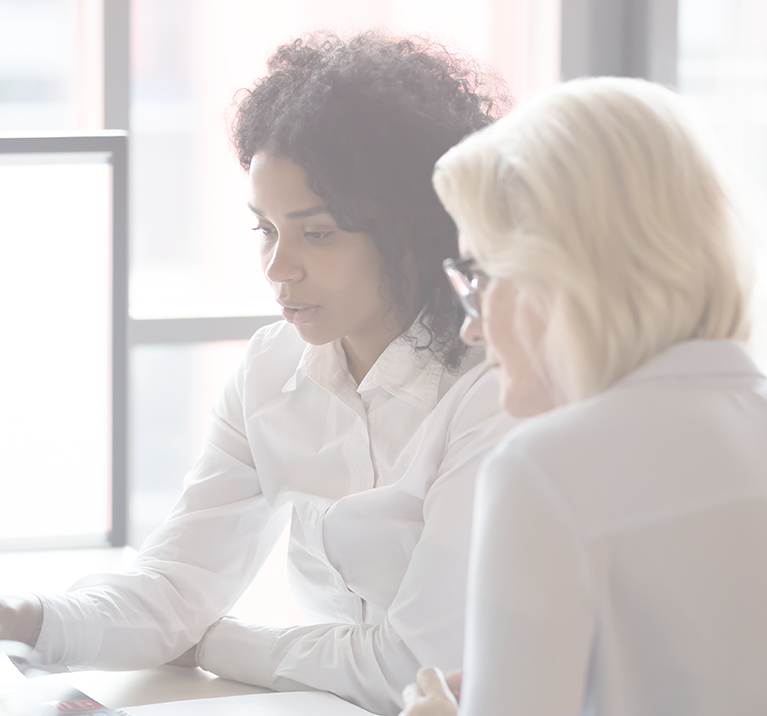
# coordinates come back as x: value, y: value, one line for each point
x: 71, y: 632
x: 240, y: 651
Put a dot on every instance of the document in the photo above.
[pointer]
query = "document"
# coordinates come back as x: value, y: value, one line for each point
x: 9, y: 674
x: 43, y: 696
x: 290, y: 703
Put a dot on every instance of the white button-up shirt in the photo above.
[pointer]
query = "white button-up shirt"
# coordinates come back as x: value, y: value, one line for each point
x: 379, y: 479
x: 620, y: 561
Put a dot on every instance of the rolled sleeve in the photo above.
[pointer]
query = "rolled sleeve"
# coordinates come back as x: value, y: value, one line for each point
x: 243, y: 652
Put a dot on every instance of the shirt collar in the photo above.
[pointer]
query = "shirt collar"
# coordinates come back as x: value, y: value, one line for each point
x: 405, y: 373
x: 413, y: 376
x: 324, y: 364
x: 697, y: 359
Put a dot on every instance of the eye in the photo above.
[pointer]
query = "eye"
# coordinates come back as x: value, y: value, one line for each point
x: 317, y: 235
x: 266, y: 230
x: 479, y: 279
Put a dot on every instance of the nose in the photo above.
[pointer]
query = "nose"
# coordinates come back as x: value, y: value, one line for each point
x: 471, y: 331
x: 281, y: 261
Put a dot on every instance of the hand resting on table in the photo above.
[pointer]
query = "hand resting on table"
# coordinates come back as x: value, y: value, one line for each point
x: 432, y: 694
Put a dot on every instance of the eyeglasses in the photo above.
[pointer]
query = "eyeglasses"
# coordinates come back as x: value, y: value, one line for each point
x: 468, y: 283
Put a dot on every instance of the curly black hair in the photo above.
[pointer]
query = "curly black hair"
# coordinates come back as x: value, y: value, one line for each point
x: 367, y: 118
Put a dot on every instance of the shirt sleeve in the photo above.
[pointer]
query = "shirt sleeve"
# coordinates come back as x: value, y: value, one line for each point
x: 189, y: 572
x: 370, y: 664
x: 530, y: 613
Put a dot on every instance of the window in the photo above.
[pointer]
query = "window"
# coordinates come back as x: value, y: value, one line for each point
x: 63, y: 292
x: 722, y: 72
x: 38, y: 65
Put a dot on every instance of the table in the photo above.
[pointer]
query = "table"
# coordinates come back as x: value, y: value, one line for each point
x: 121, y: 689
x: 166, y: 690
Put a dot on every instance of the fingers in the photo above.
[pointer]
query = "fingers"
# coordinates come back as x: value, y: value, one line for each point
x: 454, y: 679
x: 429, y: 696
x: 430, y: 681
x: 410, y: 694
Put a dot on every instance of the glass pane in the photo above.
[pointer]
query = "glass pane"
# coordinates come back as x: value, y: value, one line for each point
x: 55, y: 382
x: 723, y: 72
x: 38, y: 45
x: 172, y: 388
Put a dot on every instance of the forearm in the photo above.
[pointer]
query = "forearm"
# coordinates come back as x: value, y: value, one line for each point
x: 366, y: 664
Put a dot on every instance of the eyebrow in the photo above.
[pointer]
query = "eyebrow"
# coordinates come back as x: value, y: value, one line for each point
x: 301, y: 214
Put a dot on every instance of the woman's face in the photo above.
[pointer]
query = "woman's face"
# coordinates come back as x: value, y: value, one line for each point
x: 524, y: 393
x: 328, y: 281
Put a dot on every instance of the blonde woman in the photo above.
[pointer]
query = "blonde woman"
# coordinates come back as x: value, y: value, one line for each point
x: 619, y: 562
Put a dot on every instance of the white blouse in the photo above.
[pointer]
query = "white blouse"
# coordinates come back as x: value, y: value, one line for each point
x: 620, y: 559
x: 379, y: 480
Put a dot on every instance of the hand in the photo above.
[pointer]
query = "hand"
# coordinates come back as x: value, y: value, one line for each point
x: 453, y: 680
x: 429, y: 695
x: 21, y: 619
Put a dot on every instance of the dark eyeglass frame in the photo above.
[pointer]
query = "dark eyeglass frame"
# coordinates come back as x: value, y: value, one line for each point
x: 467, y: 282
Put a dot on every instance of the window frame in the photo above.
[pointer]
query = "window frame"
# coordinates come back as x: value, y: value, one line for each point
x: 622, y: 38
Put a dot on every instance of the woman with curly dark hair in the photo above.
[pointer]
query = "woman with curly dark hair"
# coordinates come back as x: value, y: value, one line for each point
x: 362, y: 414
x: 366, y: 120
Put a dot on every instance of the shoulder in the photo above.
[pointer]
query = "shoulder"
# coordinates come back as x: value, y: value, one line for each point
x: 580, y: 429
x: 279, y: 336
x: 476, y: 396
x: 471, y: 413
x: 575, y: 446
x: 271, y: 358
x: 275, y: 349
x: 610, y: 457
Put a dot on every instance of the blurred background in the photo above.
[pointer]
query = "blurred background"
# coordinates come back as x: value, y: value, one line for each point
x: 167, y: 71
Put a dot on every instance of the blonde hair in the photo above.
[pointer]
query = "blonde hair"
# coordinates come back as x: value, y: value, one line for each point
x: 602, y: 199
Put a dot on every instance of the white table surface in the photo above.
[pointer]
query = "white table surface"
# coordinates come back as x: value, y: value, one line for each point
x: 121, y: 689
x: 166, y: 690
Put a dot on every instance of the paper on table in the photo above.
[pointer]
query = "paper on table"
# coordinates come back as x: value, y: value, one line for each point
x: 9, y: 674
x: 289, y: 703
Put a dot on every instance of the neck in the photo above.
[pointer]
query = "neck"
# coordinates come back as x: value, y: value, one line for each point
x: 363, y: 351
x: 360, y: 359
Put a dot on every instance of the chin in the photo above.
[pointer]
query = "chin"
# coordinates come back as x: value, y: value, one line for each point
x: 315, y: 335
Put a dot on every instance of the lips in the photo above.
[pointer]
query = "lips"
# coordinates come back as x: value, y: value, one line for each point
x: 298, y: 313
